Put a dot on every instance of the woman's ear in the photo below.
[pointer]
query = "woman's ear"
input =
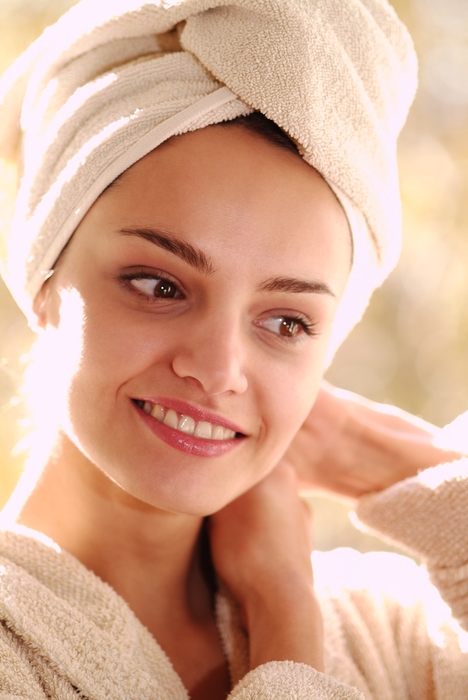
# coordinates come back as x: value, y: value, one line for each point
x: 40, y: 307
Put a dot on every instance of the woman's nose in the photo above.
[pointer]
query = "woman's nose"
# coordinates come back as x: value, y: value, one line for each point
x: 213, y: 358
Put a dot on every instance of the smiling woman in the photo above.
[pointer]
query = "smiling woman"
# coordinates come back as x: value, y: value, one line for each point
x: 194, y: 322
x: 199, y: 224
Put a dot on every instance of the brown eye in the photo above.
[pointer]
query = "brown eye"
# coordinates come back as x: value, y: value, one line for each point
x: 288, y: 327
x: 156, y: 287
x: 283, y: 326
x: 164, y: 289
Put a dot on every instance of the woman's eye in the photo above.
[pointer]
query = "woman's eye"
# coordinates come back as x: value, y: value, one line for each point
x: 286, y: 327
x: 157, y: 287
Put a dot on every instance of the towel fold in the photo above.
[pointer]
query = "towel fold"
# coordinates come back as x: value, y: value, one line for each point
x: 110, y: 81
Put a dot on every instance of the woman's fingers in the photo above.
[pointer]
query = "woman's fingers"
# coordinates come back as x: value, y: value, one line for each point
x: 351, y: 446
x: 261, y: 545
x: 261, y: 530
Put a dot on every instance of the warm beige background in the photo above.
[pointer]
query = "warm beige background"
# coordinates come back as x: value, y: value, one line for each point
x: 412, y: 347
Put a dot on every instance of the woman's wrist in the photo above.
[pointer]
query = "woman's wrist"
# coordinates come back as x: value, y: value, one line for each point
x: 285, y: 625
x: 396, y: 437
x: 351, y: 446
x: 378, y: 445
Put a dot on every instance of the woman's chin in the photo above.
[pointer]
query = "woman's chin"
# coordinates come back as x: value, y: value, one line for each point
x: 194, y: 495
x: 198, y: 503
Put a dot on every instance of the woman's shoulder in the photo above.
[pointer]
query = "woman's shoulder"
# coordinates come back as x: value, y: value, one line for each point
x: 18, y: 679
x: 53, y: 612
x: 20, y: 604
x: 28, y: 556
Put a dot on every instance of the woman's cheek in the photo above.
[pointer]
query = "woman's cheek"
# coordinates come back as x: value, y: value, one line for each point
x: 291, y: 395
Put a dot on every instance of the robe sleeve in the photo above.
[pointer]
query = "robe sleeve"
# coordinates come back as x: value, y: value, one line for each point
x: 428, y: 516
x: 400, y: 636
x: 287, y: 680
x: 17, y: 677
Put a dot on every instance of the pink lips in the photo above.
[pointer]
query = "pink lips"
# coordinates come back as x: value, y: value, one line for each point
x: 190, y: 444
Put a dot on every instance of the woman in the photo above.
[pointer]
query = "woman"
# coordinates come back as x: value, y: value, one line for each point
x: 190, y: 276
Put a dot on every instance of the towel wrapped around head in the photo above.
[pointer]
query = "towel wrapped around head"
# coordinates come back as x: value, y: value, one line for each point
x: 111, y: 81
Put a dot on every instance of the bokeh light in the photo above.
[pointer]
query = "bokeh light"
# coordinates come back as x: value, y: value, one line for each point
x: 411, y: 347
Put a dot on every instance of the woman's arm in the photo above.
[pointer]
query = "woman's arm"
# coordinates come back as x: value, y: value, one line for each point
x: 261, y: 545
x: 428, y: 516
x: 351, y: 446
x: 413, y: 489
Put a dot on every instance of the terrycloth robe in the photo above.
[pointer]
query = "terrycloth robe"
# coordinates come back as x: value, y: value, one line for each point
x: 65, y: 634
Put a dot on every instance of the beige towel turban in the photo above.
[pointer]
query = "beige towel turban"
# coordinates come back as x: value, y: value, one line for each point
x: 113, y: 79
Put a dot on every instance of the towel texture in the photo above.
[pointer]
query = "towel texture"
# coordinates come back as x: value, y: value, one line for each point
x: 65, y: 634
x: 111, y: 81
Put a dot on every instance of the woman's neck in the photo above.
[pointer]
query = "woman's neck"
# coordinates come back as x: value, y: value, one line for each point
x: 140, y: 551
x: 153, y: 560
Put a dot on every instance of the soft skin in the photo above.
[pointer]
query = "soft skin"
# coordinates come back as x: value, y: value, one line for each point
x: 257, y: 213
x: 127, y: 503
x: 350, y: 446
x: 130, y: 504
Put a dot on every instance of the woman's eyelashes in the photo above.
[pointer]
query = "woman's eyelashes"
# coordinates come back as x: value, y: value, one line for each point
x: 156, y: 286
x: 288, y: 327
x: 153, y: 285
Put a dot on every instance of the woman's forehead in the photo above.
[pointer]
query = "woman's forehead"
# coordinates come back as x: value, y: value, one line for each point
x: 216, y: 172
x: 229, y: 158
x: 235, y: 197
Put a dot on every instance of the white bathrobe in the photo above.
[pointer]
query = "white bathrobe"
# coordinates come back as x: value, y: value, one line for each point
x: 64, y: 634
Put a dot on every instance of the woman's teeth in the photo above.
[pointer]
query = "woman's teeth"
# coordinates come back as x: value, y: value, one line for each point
x: 186, y: 424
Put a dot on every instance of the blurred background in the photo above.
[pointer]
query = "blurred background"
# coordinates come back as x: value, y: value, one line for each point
x: 411, y: 348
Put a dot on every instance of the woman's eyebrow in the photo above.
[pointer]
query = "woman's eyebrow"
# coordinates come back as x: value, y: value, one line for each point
x: 197, y: 259
x: 295, y: 286
x: 190, y: 254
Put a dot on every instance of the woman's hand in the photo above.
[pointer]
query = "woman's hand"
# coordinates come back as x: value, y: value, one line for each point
x: 351, y: 446
x: 261, y: 545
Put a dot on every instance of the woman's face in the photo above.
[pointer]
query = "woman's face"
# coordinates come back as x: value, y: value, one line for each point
x: 190, y: 317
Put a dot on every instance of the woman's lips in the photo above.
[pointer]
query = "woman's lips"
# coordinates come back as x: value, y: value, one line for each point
x: 189, y: 430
